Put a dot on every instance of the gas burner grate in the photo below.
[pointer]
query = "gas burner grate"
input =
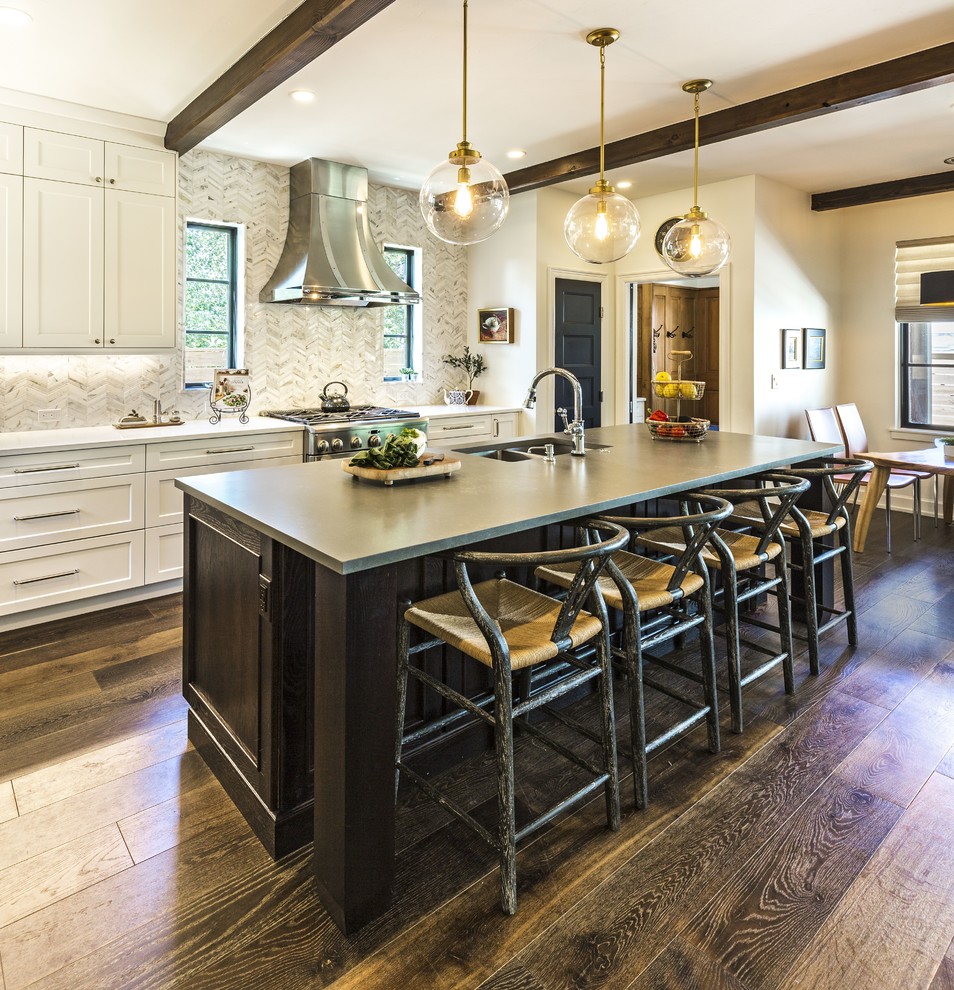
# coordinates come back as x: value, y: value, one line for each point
x: 354, y: 414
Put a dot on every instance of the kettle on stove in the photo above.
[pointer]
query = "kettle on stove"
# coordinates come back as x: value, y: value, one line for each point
x: 335, y: 401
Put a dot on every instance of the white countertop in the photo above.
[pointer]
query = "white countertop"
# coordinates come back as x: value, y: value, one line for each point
x: 442, y: 410
x: 34, y: 441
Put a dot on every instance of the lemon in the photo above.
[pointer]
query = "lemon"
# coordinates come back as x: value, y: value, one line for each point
x: 671, y: 391
x: 663, y: 376
x: 688, y: 391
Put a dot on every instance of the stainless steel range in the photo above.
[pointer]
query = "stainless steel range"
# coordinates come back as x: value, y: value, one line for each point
x: 344, y: 432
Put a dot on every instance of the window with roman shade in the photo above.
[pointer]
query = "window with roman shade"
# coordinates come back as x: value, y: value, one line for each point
x: 926, y: 336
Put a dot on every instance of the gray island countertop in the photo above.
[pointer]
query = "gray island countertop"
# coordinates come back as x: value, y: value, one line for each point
x: 349, y: 525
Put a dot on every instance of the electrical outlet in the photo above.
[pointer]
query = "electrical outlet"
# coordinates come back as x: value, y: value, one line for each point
x: 49, y: 415
x: 774, y: 381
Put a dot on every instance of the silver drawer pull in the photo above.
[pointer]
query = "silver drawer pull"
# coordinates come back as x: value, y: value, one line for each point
x: 48, y: 467
x: 447, y: 429
x: 47, y: 515
x: 47, y: 577
x: 230, y: 450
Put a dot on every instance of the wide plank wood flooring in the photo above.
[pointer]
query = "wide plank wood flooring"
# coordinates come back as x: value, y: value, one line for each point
x: 816, y: 851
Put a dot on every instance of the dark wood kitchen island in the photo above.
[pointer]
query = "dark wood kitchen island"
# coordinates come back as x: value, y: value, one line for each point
x: 293, y: 577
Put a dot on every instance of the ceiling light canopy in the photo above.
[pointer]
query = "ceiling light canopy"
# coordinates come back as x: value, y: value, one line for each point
x: 14, y: 17
x: 697, y: 245
x: 465, y: 198
x: 602, y: 226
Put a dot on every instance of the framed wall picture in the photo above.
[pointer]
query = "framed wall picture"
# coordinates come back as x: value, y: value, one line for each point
x: 495, y: 326
x: 813, y: 348
x: 791, y: 348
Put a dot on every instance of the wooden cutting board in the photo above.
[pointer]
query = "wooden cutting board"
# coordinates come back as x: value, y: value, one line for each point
x: 446, y: 467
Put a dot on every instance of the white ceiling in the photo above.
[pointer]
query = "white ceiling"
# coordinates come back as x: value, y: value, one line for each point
x: 389, y: 95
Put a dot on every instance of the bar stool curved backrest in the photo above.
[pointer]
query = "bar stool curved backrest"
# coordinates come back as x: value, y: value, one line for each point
x: 509, y: 627
x: 653, y: 597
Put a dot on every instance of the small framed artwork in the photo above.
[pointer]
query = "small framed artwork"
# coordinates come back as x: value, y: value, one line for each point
x: 231, y: 392
x: 791, y: 348
x: 813, y: 347
x: 495, y: 326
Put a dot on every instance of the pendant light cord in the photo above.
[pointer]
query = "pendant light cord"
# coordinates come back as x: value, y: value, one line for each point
x: 695, y: 162
x: 602, y: 105
x: 465, y: 73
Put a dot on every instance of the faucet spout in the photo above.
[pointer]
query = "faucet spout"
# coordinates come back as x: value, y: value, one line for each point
x: 573, y: 429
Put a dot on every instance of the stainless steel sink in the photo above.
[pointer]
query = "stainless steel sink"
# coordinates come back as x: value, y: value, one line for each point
x: 524, y: 449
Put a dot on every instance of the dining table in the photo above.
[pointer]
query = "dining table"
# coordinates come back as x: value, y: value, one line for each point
x: 928, y: 459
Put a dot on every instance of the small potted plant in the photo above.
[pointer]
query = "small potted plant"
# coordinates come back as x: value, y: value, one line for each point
x: 408, y: 374
x: 472, y: 365
x: 947, y: 445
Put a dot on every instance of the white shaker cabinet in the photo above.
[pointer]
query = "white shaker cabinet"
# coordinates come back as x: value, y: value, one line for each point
x: 11, y: 260
x: 99, y: 245
x: 63, y: 227
x: 11, y: 148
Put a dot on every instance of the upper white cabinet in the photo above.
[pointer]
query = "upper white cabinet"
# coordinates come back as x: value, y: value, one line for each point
x: 11, y: 258
x: 11, y: 148
x: 98, y: 244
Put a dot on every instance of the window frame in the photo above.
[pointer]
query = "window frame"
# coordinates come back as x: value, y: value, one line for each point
x: 233, y: 344
x: 411, y: 335
x: 904, y: 365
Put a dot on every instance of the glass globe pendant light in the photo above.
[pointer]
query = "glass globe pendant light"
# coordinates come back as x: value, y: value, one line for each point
x: 697, y: 245
x: 602, y: 226
x: 465, y: 198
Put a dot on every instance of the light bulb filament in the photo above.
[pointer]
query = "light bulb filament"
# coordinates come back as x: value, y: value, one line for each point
x: 601, y: 227
x: 464, y: 200
x: 695, y: 241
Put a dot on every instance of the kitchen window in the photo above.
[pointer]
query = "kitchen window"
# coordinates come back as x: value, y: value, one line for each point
x: 402, y: 351
x: 212, y: 301
x: 925, y: 337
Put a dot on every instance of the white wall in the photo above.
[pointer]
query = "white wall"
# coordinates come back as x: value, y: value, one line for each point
x: 868, y: 372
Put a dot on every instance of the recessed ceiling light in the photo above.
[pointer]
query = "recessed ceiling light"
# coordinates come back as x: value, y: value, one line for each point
x: 516, y: 153
x: 624, y: 184
x: 14, y: 17
x: 302, y: 95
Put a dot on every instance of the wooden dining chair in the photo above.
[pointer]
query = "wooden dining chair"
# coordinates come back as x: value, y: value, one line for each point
x: 856, y: 445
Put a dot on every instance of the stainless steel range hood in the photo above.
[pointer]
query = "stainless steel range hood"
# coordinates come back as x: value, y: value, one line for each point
x: 329, y: 258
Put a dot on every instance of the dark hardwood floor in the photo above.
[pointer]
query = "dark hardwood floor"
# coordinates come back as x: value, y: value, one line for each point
x: 816, y: 851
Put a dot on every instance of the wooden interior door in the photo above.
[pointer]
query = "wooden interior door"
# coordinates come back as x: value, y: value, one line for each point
x: 676, y: 318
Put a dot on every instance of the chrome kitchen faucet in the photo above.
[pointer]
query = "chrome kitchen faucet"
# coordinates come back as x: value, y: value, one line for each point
x: 573, y: 429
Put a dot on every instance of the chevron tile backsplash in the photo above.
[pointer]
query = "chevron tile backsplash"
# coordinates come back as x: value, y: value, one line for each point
x: 291, y: 351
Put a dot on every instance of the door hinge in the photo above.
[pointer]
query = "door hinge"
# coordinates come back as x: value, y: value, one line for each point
x: 601, y: 395
x: 601, y: 312
x: 264, y: 596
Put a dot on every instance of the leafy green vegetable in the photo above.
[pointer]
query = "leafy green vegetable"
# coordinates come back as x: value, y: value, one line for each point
x: 398, y: 451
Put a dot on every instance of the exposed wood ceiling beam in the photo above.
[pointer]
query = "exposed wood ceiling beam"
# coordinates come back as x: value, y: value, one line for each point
x: 309, y: 31
x: 907, y: 74
x: 880, y: 192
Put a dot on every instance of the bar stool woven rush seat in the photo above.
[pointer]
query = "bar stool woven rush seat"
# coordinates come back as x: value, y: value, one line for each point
x: 508, y: 627
x: 660, y: 601
x: 740, y: 558
x: 810, y: 528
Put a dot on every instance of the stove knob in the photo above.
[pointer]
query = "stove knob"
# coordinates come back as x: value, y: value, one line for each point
x: 355, y: 443
x: 337, y: 443
x: 322, y: 447
x: 374, y: 440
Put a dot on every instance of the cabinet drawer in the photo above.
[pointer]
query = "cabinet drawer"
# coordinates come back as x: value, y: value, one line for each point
x: 164, y: 500
x: 217, y: 450
x: 459, y: 426
x: 31, y: 517
x: 70, y: 465
x: 163, y: 553
x: 70, y: 571
x: 145, y: 170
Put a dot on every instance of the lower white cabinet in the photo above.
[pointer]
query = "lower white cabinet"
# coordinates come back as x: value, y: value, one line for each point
x: 82, y: 522
x: 70, y: 571
x: 475, y: 426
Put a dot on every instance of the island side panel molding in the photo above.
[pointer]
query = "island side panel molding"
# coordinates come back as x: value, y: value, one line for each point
x: 355, y: 664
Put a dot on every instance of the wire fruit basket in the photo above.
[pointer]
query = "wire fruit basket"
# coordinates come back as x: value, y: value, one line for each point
x: 679, y: 389
x: 690, y: 429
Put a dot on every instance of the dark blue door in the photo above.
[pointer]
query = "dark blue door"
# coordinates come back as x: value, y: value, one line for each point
x: 577, y: 339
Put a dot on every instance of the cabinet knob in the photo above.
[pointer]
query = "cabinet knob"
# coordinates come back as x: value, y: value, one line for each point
x: 112, y: 340
x: 99, y: 178
x: 96, y: 340
x: 112, y: 182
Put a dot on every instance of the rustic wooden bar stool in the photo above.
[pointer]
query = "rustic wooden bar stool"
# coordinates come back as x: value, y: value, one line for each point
x: 810, y: 527
x: 510, y: 628
x: 660, y: 601
x: 740, y: 558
